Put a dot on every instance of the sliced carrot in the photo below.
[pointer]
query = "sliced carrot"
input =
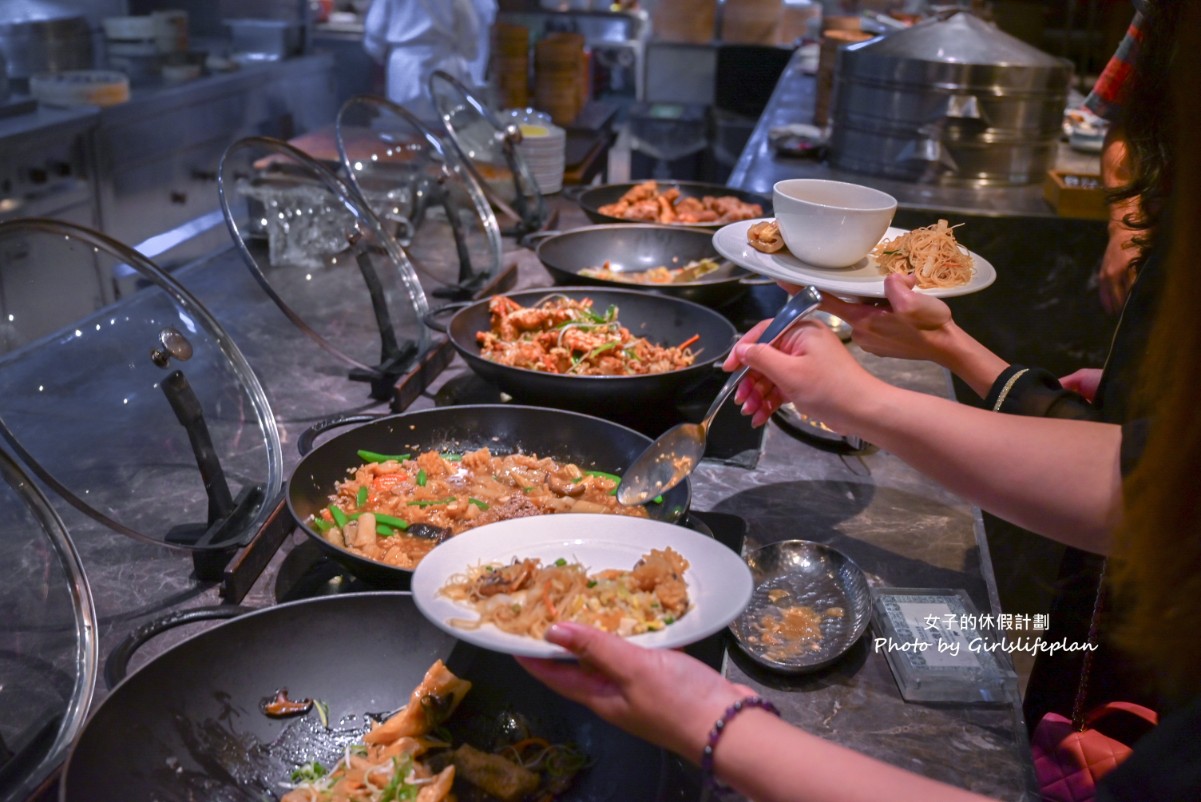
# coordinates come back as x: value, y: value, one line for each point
x: 689, y: 341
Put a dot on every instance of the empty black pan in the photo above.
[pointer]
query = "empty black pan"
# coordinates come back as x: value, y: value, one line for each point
x: 187, y: 725
x: 589, y: 442
x: 638, y: 247
x: 662, y: 319
x: 593, y: 198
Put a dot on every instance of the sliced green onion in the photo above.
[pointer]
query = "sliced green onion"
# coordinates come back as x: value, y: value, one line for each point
x: 340, y: 518
x: 372, y: 456
x: 600, y: 349
x: 451, y: 457
x: 482, y: 505
x: 669, y: 620
x: 322, y: 712
x: 361, y: 497
x: 657, y: 499
x: 422, y: 478
x: 309, y: 772
x: 560, y: 562
x: 592, y: 583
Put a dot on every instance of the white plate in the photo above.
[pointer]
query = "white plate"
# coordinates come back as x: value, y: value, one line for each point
x: 719, y: 582
x: 861, y: 280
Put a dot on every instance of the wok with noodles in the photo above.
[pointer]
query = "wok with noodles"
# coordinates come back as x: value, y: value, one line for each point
x: 186, y: 725
x: 526, y: 597
x: 568, y: 336
x: 530, y: 455
x: 411, y: 756
x: 930, y: 253
x: 644, y: 256
x: 395, y: 508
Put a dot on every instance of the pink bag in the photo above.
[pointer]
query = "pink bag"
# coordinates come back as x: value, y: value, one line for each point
x: 1071, y: 755
x: 1070, y: 759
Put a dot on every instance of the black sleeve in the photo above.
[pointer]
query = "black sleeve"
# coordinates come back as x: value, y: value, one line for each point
x: 1033, y: 391
x: 1134, y: 440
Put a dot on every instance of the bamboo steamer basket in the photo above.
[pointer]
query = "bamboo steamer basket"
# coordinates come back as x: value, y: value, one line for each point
x: 688, y: 21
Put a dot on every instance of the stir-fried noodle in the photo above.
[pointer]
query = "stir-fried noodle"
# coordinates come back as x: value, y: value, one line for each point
x: 930, y: 253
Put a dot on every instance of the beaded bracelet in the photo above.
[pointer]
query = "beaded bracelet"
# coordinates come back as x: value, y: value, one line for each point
x: 719, y: 727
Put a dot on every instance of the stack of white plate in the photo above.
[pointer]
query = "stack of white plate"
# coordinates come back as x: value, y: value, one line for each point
x: 543, y: 146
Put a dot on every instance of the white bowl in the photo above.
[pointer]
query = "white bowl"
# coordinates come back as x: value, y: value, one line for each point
x: 831, y: 223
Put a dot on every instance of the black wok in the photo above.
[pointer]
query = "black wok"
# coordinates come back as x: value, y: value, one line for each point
x: 661, y: 319
x: 638, y: 247
x: 593, y: 198
x: 187, y: 726
x: 591, y: 443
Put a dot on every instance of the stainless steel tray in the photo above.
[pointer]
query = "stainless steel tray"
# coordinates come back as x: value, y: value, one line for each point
x: 789, y: 577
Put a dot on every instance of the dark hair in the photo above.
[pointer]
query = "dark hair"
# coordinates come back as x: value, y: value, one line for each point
x: 1156, y: 555
x: 1148, y: 120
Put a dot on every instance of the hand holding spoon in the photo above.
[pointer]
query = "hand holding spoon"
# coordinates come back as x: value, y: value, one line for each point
x: 676, y: 452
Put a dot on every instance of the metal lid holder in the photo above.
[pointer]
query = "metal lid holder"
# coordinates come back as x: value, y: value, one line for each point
x: 298, y: 228
x: 489, y: 149
x: 405, y: 174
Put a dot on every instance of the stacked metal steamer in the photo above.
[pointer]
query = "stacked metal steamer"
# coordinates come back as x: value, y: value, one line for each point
x: 951, y: 100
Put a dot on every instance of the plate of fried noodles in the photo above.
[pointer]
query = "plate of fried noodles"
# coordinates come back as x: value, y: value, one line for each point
x: 501, y: 586
x: 942, y: 266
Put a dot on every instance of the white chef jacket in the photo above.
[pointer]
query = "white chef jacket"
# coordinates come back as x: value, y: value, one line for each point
x: 415, y: 37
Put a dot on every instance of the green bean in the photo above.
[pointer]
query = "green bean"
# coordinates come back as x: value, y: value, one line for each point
x: 372, y: 456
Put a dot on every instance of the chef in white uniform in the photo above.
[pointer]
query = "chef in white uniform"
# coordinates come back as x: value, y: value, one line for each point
x: 412, y: 38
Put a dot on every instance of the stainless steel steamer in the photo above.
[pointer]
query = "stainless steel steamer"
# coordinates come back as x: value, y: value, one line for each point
x: 951, y: 100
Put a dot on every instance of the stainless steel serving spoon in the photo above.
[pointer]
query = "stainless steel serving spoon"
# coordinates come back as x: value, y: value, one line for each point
x: 676, y: 452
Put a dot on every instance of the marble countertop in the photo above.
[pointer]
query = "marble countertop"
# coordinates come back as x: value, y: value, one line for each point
x: 900, y: 528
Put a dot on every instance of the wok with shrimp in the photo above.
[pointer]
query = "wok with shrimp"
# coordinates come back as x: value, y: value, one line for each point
x: 187, y: 725
x: 664, y: 323
x: 682, y: 203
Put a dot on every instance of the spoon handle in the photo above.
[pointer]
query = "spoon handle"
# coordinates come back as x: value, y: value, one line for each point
x: 799, y: 306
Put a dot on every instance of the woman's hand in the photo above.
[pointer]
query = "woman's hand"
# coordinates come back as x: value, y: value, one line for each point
x: 911, y: 325
x: 665, y: 697
x: 1083, y: 382
x: 808, y: 366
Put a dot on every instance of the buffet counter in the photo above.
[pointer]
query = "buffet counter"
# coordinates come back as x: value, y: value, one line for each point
x: 899, y: 527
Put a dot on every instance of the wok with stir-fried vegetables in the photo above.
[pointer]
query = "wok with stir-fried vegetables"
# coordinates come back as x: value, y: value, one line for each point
x: 534, y: 455
x: 394, y: 508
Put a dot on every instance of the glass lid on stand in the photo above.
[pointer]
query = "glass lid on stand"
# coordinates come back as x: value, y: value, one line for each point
x: 331, y: 265
x: 141, y: 412
x: 420, y: 187
x: 489, y: 149
x: 48, y: 637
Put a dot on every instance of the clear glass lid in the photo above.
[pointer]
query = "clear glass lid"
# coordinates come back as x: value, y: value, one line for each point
x: 124, y: 394
x: 301, y: 231
x: 490, y: 151
x: 48, y: 638
x: 419, y: 186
